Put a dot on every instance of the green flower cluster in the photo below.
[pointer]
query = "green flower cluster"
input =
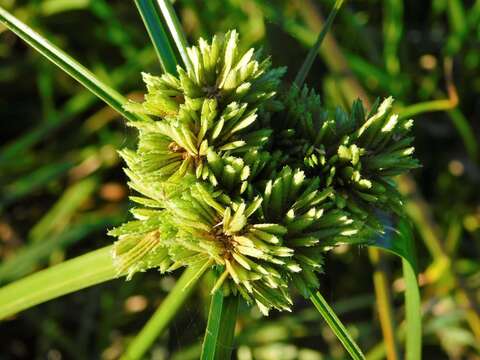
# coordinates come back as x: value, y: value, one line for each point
x: 257, y: 184
x: 357, y: 154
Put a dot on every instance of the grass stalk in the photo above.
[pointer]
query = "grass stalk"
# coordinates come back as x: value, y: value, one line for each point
x: 165, y: 313
x: 217, y: 344
x: 336, y: 325
x: 312, y: 54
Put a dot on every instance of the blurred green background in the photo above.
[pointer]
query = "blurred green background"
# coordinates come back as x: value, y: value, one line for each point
x: 62, y: 183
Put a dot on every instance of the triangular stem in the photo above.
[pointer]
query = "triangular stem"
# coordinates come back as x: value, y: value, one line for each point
x: 307, y: 64
x: 336, y: 325
x: 217, y: 344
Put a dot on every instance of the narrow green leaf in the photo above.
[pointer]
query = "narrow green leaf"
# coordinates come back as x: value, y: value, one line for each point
x: 35, y: 179
x: 157, y: 34
x: 384, y: 303
x: 69, y: 111
x: 217, y: 344
x: 312, y: 54
x: 165, y: 313
x: 392, y: 35
x: 175, y: 30
x: 399, y: 241
x: 36, y: 253
x: 395, y: 242
x: 61, y: 213
x: 87, y: 270
x: 336, y: 325
x: 458, y: 24
x: 67, y: 64
x: 413, y: 313
x: 412, y: 298
x: 427, y: 106
x: 465, y: 131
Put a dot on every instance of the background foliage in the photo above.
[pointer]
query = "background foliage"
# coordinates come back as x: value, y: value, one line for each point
x: 62, y: 184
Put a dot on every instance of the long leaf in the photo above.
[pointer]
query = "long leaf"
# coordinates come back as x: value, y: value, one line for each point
x: 72, y: 107
x: 399, y: 241
x: 36, y: 178
x: 217, y: 344
x: 312, y: 54
x: 37, y: 252
x: 67, y: 64
x: 157, y: 34
x: 384, y: 302
x: 392, y: 36
x: 336, y: 325
x: 175, y: 30
x: 165, y: 313
x: 72, y: 275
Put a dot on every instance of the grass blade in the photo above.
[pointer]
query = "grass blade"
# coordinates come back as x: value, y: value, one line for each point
x: 92, y: 268
x: 67, y: 64
x: 35, y: 179
x: 72, y: 107
x: 384, y: 303
x: 175, y: 30
x: 165, y: 313
x: 30, y: 256
x: 157, y: 34
x: 312, y: 54
x: 399, y: 241
x: 466, y: 132
x: 60, y: 214
x: 217, y: 344
x: 336, y: 325
x: 413, y: 313
x: 392, y: 35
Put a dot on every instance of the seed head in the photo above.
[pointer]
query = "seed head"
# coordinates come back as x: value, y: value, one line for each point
x: 258, y: 181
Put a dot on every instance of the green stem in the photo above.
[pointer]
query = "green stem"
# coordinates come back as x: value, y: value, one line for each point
x: 466, y: 132
x: 67, y: 64
x: 176, y: 30
x: 312, y: 54
x: 392, y: 35
x: 157, y: 34
x: 336, y: 325
x: 165, y: 313
x: 92, y: 268
x: 427, y: 106
x: 217, y: 344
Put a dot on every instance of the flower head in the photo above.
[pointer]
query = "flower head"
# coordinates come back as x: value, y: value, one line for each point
x: 232, y: 175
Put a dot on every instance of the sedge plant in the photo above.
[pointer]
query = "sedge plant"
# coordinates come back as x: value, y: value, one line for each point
x: 239, y: 173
